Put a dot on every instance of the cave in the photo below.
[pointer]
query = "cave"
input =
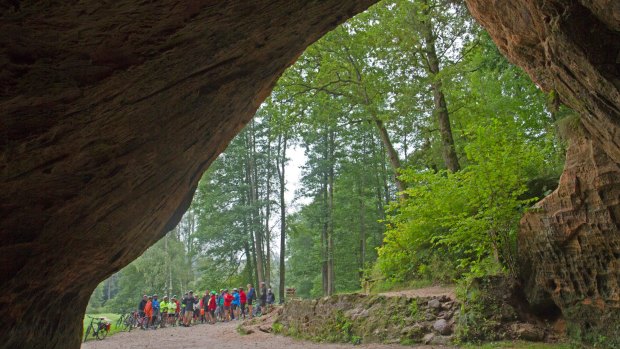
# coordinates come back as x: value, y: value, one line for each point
x: 112, y: 110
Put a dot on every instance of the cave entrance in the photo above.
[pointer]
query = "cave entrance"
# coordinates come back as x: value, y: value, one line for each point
x: 112, y: 112
x: 377, y: 96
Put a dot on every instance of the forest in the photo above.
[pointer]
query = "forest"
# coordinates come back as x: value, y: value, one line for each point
x: 419, y: 148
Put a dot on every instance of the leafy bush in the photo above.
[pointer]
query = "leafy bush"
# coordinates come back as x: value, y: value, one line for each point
x: 455, y: 223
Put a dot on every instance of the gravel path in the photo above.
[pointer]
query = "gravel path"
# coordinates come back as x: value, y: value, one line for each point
x: 220, y: 336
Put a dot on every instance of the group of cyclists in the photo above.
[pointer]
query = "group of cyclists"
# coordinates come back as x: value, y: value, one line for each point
x: 211, y: 307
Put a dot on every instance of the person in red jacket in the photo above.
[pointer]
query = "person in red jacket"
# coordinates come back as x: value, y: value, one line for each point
x: 228, y: 298
x: 148, y: 311
x: 212, y: 306
x: 243, y: 299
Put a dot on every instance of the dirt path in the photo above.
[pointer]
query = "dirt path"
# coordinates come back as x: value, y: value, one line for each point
x: 431, y: 291
x: 220, y: 336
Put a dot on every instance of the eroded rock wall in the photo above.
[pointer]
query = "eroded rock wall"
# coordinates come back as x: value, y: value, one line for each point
x: 487, y: 312
x: 357, y: 318
x: 569, y: 244
x: 111, y: 111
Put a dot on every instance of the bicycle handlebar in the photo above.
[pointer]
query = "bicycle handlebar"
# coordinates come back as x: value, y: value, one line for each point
x: 96, y: 318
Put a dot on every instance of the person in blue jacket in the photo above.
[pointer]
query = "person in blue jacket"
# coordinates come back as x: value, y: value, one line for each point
x: 156, y: 309
x: 236, y: 303
x: 251, y: 298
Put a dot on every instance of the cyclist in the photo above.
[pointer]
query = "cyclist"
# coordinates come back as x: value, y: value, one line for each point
x: 271, y: 299
x: 228, y: 298
x: 177, y: 309
x: 142, y: 304
x: 183, y: 301
x: 148, y: 312
x: 189, y: 309
x: 156, y: 310
x: 196, y: 308
x: 212, y: 307
x: 243, y: 299
x: 204, y: 308
x: 220, y: 305
x: 164, y: 307
x: 251, y: 297
x: 235, y: 304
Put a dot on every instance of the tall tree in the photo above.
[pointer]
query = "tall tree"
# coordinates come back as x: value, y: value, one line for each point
x: 281, y: 168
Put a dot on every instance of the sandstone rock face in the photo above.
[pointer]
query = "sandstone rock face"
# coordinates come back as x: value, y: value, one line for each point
x: 569, y: 243
x: 111, y: 112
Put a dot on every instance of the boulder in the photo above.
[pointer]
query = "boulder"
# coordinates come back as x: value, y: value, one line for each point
x: 442, y: 327
x: 434, y: 304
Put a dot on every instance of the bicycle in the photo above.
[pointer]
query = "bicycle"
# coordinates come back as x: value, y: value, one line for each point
x: 100, y: 329
x: 127, y: 321
x: 124, y: 322
x: 156, y: 320
x: 139, y: 320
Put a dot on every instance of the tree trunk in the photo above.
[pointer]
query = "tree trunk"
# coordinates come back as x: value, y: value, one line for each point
x: 281, y: 166
x: 324, y: 250
x: 392, y: 156
x: 268, y: 217
x: 253, y: 273
x: 325, y: 270
x: 448, y: 151
x: 257, y: 238
x: 362, y: 260
x: 331, y: 288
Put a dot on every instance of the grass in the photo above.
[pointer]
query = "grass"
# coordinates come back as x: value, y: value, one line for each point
x: 517, y: 345
x: 110, y: 316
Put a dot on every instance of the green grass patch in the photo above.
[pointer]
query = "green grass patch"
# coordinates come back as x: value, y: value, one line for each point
x: 241, y: 330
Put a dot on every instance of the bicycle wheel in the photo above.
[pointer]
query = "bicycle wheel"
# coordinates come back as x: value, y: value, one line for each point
x: 156, y: 321
x: 87, y: 333
x: 120, y: 322
x: 128, y: 324
x: 103, y: 331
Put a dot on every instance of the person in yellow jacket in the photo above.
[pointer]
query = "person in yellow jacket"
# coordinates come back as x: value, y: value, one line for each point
x: 164, y: 306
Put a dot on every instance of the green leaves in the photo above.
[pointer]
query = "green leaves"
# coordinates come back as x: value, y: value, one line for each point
x: 471, y: 215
